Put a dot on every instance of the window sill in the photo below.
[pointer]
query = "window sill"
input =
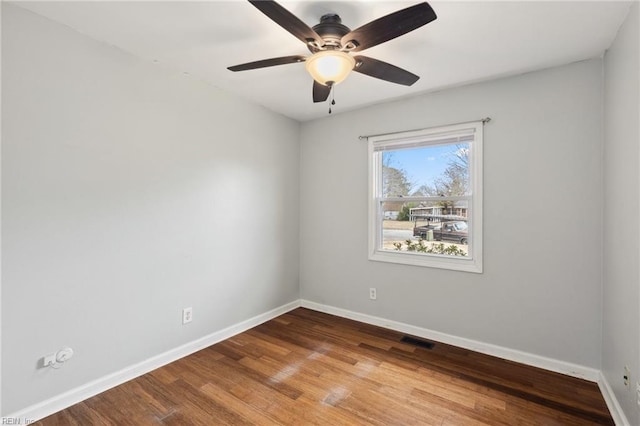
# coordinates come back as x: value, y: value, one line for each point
x: 428, y: 261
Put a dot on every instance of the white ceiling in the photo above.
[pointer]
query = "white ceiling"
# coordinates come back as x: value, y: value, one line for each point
x: 470, y: 41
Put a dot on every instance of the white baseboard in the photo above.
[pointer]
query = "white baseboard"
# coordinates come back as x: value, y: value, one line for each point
x: 550, y: 364
x: 612, y: 402
x: 45, y: 408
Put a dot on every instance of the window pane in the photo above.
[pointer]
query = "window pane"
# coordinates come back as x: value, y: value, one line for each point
x: 433, y: 170
x: 428, y: 227
x: 425, y: 197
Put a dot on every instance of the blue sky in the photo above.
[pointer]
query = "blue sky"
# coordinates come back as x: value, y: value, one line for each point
x: 422, y: 165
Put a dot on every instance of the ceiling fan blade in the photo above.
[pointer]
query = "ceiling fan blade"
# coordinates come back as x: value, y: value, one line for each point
x: 288, y: 21
x: 268, y: 63
x: 320, y: 92
x: 384, y: 71
x: 389, y: 27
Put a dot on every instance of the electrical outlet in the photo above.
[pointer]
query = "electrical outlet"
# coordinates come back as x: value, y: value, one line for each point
x: 638, y: 393
x: 627, y: 377
x: 187, y: 315
x: 373, y: 294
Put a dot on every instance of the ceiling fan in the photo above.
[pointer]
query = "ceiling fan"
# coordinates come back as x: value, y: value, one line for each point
x: 331, y: 44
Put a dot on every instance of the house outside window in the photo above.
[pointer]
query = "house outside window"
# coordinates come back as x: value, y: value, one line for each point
x: 425, y: 197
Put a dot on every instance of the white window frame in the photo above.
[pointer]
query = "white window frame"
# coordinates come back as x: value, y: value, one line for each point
x: 431, y: 136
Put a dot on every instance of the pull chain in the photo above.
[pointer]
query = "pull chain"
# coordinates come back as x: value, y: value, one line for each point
x: 333, y: 101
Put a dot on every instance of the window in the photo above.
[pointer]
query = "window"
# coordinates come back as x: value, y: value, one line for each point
x: 425, y: 197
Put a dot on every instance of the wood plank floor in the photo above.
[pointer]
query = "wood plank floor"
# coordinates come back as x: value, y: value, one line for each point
x: 310, y: 368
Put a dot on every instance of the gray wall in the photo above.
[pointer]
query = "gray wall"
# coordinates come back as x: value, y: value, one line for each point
x: 541, y: 289
x: 621, y: 283
x: 128, y: 193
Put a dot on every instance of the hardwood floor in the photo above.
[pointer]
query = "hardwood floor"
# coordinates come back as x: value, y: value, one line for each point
x: 307, y: 368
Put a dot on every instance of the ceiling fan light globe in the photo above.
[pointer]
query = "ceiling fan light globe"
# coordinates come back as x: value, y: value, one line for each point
x: 329, y: 67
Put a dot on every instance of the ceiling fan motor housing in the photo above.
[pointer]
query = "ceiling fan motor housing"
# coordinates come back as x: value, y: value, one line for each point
x: 331, y: 30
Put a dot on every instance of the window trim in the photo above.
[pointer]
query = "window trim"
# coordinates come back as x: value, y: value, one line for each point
x: 472, y: 264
